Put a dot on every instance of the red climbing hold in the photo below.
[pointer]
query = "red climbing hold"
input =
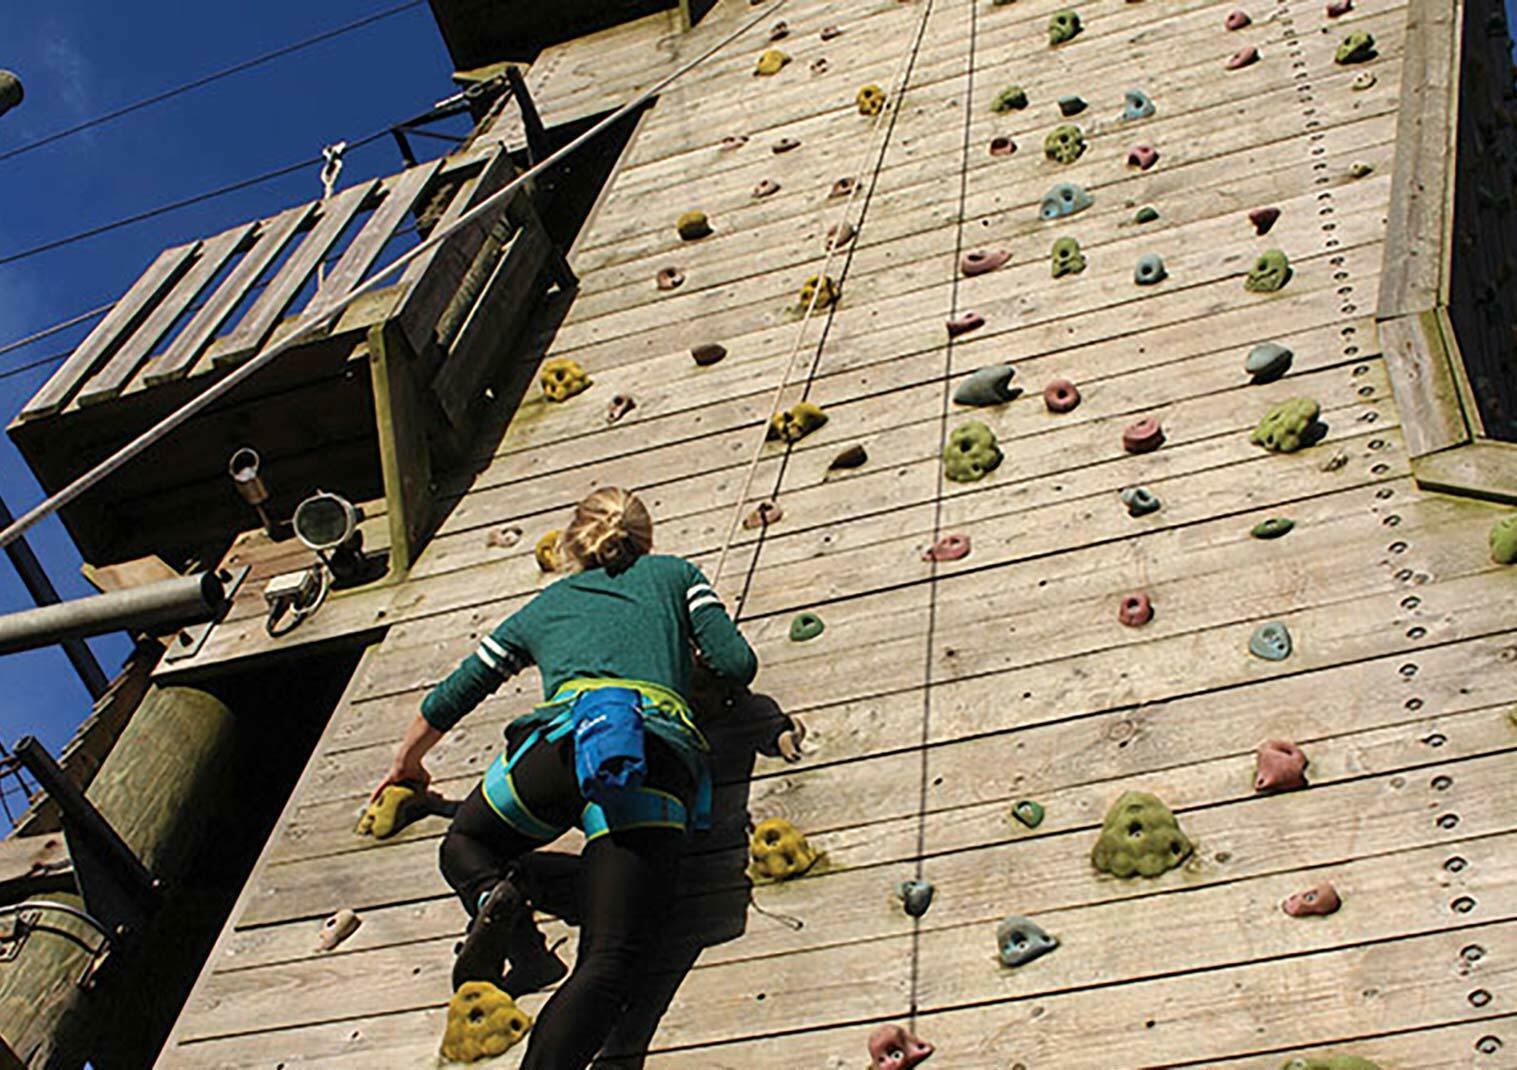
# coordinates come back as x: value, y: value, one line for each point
x: 1135, y: 610
x: 1244, y: 57
x: 965, y: 323
x: 764, y: 514
x: 1263, y: 219
x: 1061, y: 396
x: 620, y: 405
x: 948, y: 548
x: 670, y: 278
x: 1314, y: 902
x: 1002, y: 146
x: 843, y: 187
x: 840, y: 234
x: 892, y: 1048
x: 978, y: 262
x: 1143, y: 157
x: 1280, y: 765
x: 708, y: 354
x: 1238, y: 20
x: 1339, y: 7
x: 1144, y: 436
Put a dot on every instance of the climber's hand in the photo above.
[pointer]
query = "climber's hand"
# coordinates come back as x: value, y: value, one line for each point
x: 405, y: 769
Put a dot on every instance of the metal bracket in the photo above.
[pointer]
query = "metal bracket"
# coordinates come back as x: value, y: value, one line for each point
x: 20, y: 921
x: 188, y: 641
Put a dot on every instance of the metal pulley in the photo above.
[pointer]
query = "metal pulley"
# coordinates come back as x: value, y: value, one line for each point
x: 11, y: 91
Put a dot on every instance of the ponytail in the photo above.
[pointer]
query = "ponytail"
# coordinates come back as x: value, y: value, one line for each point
x: 611, y: 529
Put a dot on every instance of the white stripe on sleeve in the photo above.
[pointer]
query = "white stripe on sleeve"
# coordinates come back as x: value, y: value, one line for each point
x: 705, y: 600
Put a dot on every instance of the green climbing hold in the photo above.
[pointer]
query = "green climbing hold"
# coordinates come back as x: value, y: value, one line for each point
x: 796, y: 422
x: 693, y: 225
x: 1330, y: 1062
x: 972, y: 453
x: 1147, y: 214
x: 1357, y: 47
x: 1270, y: 273
x: 1271, y: 641
x: 1071, y: 105
x: 1140, y: 836
x: 1067, y: 258
x: 1289, y: 426
x: 1028, y: 813
x: 1064, y: 144
x: 1064, y: 25
x: 1012, y: 98
x: 1273, y: 528
x: 806, y: 626
x: 1504, y: 540
x: 1360, y: 169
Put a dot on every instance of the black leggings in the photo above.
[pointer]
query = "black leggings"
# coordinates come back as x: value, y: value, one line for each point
x: 626, y: 885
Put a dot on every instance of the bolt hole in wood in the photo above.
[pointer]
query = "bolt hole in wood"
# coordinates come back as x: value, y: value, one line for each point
x: 1414, y: 704
x: 1456, y: 864
x: 1488, y: 1045
x: 1479, y: 998
x: 1448, y: 822
x: 1417, y: 632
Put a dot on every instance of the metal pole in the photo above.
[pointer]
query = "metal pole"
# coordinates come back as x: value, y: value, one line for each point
x: 149, y: 608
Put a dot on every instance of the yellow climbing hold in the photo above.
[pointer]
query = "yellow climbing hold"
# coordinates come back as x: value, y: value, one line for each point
x: 693, y: 225
x: 396, y: 807
x: 780, y: 851
x: 796, y: 423
x: 546, y: 551
x: 482, y: 1021
x: 771, y: 62
x: 562, y: 378
x: 823, y: 288
x: 871, y: 100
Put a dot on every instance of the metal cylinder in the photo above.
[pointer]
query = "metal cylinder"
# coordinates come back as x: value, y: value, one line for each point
x: 11, y: 91
x: 245, y: 469
x: 153, y: 607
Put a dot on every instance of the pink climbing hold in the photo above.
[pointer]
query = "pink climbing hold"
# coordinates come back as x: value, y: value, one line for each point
x: 1244, y: 57
x: 764, y: 514
x: 1280, y: 766
x: 1339, y: 7
x: 1238, y: 20
x: 620, y: 405
x: 670, y: 278
x: 1314, y: 902
x: 1061, y: 396
x: 892, y: 1048
x: 1002, y: 146
x: 840, y: 234
x: 948, y: 548
x: 978, y: 262
x: 768, y: 187
x: 1143, y: 157
x: 1145, y: 436
x: 964, y: 324
x: 1263, y: 219
x: 1135, y: 610
x: 843, y: 187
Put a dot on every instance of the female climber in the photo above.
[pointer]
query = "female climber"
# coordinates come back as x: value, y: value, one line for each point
x: 614, y: 750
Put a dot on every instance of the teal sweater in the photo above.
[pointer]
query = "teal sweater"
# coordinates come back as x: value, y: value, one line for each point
x: 637, y: 625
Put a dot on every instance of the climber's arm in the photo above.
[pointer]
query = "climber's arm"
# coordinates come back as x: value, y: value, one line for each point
x: 721, y: 645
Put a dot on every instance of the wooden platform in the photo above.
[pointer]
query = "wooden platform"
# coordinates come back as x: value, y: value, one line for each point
x: 939, y: 695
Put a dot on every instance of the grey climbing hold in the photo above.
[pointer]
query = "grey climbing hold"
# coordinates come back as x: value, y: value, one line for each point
x: 1028, y: 812
x: 1357, y: 47
x: 806, y: 626
x: 1268, y: 361
x: 1019, y: 940
x: 852, y: 457
x: 1270, y: 272
x: 1072, y: 105
x: 988, y: 386
x: 1272, y: 528
x: 1012, y: 98
x: 1063, y: 25
x: 1150, y: 270
x: 1137, y: 105
x: 708, y: 354
x: 1065, y: 199
x: 1147, y: 214
x: 1140, y: 501
x: 915, y: 896
x: 12, y: 92
x: 1270, y: 641
x: 1064, y: 144
x: 1067, y: 258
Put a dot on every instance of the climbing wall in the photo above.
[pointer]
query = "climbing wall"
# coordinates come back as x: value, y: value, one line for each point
x: 974, y: 716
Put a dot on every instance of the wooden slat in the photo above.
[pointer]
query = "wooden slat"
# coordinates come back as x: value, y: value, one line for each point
x: 119, y: 321
x: 214, y: 253
x: 1483, y: 469
x: 1426, y: 393
x: 273, y: 235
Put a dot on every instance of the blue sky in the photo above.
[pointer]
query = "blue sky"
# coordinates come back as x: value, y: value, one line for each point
x: 79, y: 58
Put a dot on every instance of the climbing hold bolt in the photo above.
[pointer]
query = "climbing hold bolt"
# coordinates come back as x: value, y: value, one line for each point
x: 1289, y: 426
x: 1028, y: 812
x: 796, y: 422
x: 971, y: 453
x: 692, y: 226
x: 397, y: 806
x: 1146, y: 214
x: 1503, y: 540
x: 337, y: 928
x: 764, y: 514
x: 806, y: 626
x: 842, y: 187
x: 1270, y: 272
x: 1135, y: 610
x: 1357, y: 47
x: 1064, y: 144
x: 1318, y: 902
x: 482, y: 1021
x: 820, y: 288
x: 1142, y: 157
x: 915, y: 896
x: 1140, y: 836
x: 1071, y: 106
x: 871, y: 100
x: 1244, y: 57
x: 708, y: 354
x: 1137, y: 105
x: 840, y: 234
x: 1150, y: 270
x: 1012, y: 98
x: 893, y: 1048
x: 546, y: 550
x: 987, y: 386
x: 1339, y: 8
x: 669, y: 278
x: 1263, y: 219
x: 1331, y: 1062
x: 964, y: 323
x: 1270, y: 641
x: 12, y: 92
x: 1279, y: 765
x: 563, y: 378
x: 1061, y: 396
x: 1064, y: 199
x: 1145, y: 436
x: 1360, y: 169
x: 1002, y: 146
x: 1066, y: 257
x: 779, y: 850
x: 1063, y: 25
x: 771, y: 62
x: 1140, y: 501
x: 767, y: 188
x: 1272, y: 528
x: 829, y: 32
x: 783, y: 145
x: 1238, y: 20
x: 1363, y: 80
x: 1268, y: 361
x: 1019, y: 940
x: 733, y: 141
x: 978, y: 262
x: 852, y: 457
x: 620, y: 405
x: 948, y: 548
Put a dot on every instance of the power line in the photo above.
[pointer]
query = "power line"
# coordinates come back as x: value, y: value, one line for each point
x: 205, y: 80
x: 19, y: 369
x: 55, y: 328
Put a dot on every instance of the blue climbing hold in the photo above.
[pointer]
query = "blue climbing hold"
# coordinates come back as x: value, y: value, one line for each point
x: 988, y: 386
x: 1140, y: 501
x: 1150, y: 270
x: 1019, y: 940
x: 1270, y: 641
x: 1268, y: 361
x: 915, y: 896
x: 1137, y: 105
x: 1065, y: 199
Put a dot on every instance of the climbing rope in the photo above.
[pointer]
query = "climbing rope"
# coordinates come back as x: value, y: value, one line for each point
x: 308, y: 323
x: 874, y: 148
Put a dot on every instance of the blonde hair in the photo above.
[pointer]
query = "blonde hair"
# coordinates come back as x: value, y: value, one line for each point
x: 611, y: 529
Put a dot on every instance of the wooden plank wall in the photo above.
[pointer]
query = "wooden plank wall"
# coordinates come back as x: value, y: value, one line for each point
x: 939, y: 695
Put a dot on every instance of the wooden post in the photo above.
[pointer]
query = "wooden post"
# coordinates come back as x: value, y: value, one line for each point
x: 404, y: 453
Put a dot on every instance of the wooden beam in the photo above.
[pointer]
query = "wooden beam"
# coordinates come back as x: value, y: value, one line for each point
x: 1422, y: 378
x: 1484, y: 468
x: 405, y: 455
